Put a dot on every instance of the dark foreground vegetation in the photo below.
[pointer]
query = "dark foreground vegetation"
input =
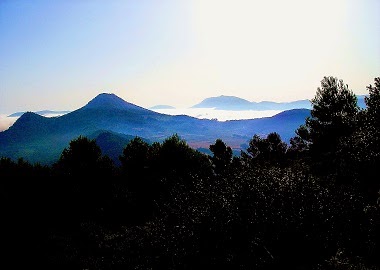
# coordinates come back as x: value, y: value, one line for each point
x: 310, y: 204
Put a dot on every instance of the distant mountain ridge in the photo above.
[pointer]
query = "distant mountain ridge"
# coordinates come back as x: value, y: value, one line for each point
x: 236, y: 103
x: 239, y: 104
x: 42, y: 139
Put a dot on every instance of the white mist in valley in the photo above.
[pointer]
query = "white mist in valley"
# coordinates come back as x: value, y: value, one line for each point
x: 221, y: 115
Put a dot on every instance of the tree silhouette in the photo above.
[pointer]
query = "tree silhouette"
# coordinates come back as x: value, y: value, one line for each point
x: 177, y: 157
x: 266, y: 150
x: 333, y: 113
x: 222, y: 156
x: 333, y: 117
x: 80, y: 158
x: 373, y: 104
x: 136, y: 186
x: 299, y: 144
x: 86, y: 173
x: 135, y: 156
x: 360, y: 153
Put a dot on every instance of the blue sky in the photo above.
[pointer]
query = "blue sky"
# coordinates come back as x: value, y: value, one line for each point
x: 60, y: 54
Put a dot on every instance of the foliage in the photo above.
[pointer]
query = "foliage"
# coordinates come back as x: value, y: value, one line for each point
x: 269, y: 150
x: 360, y: 152
x: 222, y: 156
x: 332, y: 115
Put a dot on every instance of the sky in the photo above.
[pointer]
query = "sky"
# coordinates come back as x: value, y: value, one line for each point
x: 58, y: 55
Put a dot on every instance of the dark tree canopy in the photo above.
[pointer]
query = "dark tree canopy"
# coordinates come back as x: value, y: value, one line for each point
x: 334, y: 108
x: 299, y: 144
x: 222, y: 156
x: 135, y: 155
x: 373, y: 103
x: 269, y: 149
x: 80, y: 157
x: 360, y: 153
x: 333, y: 119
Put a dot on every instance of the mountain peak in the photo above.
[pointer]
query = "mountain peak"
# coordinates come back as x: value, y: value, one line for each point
x: 29, y: 116
x: 110, y: 101
x: 29, y: 120
x: 106, y: 100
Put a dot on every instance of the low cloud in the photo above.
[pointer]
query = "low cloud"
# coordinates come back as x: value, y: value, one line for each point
x: 221, y: 115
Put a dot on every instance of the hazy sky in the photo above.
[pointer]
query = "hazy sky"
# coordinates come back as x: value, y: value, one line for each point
x: 60, y: 54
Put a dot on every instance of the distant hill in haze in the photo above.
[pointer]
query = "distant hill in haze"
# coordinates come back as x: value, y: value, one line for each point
x: 160, y: 107
x: 224, y: 103
x: 239, y: 104
x: 109, y: 118
x: 236, y: 103
x: 42, y: 113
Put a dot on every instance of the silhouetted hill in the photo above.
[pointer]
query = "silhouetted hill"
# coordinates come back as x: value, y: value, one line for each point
x: 42, y: 139
x: 31, y: 124
x: 284, y: 123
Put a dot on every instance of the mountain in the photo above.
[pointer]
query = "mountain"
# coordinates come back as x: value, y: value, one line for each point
x: 160, y: 107
x: 239, y: 104
x: 42, y: 113
x: 270, y: 105
x: 224, y: 103
x: 109, y: 101
x: 42, y: 139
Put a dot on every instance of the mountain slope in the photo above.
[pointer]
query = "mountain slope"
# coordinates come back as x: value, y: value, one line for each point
x: 42, y: 139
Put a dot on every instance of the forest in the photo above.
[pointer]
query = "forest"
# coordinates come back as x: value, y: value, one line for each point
x: 312, y: 203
